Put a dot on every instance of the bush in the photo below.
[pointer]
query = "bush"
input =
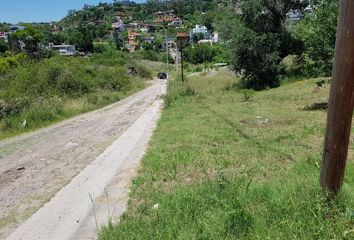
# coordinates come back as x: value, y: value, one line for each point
x: 143, y: 71
x: 188, y: 91
x: 258, y: 42
x: 104, y: 47
x: 179, y: 77
x: 68, y: 84
x: 113, y: 79
x: 319, y: 36
x: 12, y: 61
x: 247, y: 94
x: 167, y: 98
x: 204, y: 53
x: 153, y: 55
x: 109, y: 58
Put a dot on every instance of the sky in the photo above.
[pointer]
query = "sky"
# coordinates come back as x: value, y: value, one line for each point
x: 14, y: 11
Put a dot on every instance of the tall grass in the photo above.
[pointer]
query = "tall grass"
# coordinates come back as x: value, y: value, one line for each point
x: 222, y: 168
x: 36, y: 93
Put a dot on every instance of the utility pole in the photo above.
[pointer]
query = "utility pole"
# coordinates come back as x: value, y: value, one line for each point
x: 341, y: 103
x: 182, y: 38
x: 182, y: 62
x: 166, y: 45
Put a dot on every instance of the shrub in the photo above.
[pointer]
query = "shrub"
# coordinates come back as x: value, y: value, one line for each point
x: 167, y: 98
x: 68, y: 84
x: 258, y: 42
x: 109, y: 58
x: 319, y: 36
x: 247, y: 94
x: 104, y: 47
x: 143, y: 71
x: 12, y: 61
x: 113, y: 78
x: 188, y: 91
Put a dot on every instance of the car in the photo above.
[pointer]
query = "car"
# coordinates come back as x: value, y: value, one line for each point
x: 162, y: 75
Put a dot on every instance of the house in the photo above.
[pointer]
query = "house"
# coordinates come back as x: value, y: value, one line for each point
x: 64, y: 50
x: 206, y: 41
x: 216, y: 37
x: 3, y: 35
x: 294, y: 15
x: 170, y: 44
x: 200, y: 29
x: 132, y: 36
x: 144, y: 28
x: 118, y: 26
x: 168, y: 17
x: 149, y: 40
x: 182, y: 37
x: 15, y: 28
x: 175, y: 22
x: 309, y: 11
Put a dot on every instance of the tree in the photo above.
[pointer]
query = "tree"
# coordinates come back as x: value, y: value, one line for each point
x: 118, y: 39
x: 82, y: 39
x: 319, y: 36
x: 203, y: 53
x: 30, y: 36
x: 258, y: 41
x: 3, y: 46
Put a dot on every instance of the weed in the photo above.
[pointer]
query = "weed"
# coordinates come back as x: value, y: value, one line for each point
x: 143, y: 71
x: 45, y: 91
x: 167, y: 98
x: 247, y: 94
x: 188, y: 91
x: 217, y: 174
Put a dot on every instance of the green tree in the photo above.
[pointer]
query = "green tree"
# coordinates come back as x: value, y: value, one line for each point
x: 319, y: 36
x: 258, y: 40
x: 203, y: 53
x: 3, y: 46
x: 31, y: 37
x: 82, y: 39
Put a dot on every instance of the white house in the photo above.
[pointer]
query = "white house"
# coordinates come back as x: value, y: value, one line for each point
x: 64, y: 50
x: 211, y: 41
x: 200, y: 29
x: 216, y: 37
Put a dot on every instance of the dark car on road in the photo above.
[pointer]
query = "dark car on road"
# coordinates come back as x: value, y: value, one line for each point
x: 162, y: 75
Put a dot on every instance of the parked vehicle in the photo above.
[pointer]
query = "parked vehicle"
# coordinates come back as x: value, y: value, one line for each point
x: 162, y: 75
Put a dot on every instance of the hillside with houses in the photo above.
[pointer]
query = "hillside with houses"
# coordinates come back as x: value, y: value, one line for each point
x: 179, y: 119
x: 150, y: 28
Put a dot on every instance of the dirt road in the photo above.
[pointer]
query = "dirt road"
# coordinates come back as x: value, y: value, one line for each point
x: 35, y: 166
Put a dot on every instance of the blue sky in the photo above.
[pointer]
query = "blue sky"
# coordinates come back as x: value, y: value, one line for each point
x: 15, y: 11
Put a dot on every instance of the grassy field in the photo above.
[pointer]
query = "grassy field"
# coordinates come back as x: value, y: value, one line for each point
x: 220, y: 167
x: 37, y: 93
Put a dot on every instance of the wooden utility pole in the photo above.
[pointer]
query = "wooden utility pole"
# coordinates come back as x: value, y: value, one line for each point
x: 341, y: 102
x: 182, y: 76
x: 182, y: 38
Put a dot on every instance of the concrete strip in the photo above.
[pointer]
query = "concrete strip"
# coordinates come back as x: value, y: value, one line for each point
x: 71, y: 213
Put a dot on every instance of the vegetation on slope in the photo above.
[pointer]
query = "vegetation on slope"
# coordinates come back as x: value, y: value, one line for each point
x: 36, y: 93
x: 220, y: 167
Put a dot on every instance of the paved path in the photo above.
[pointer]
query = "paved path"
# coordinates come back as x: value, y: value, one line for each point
x: 94, y: 156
